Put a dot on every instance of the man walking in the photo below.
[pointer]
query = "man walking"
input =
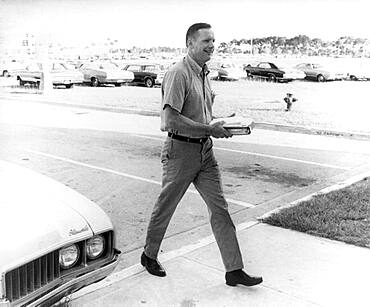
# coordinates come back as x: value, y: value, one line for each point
x: 187, y: 157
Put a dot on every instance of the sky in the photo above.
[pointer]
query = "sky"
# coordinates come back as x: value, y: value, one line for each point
x: 151, y: 23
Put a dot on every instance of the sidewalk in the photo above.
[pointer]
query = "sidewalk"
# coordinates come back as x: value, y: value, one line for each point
x: 298, y: 270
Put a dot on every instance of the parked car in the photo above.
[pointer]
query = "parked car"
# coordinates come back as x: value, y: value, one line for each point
x: 225, y: 71
x: 359, y: 74
x: 158, y: 69
x: 60, y: 74
x: 98, y: 73
x: 54, y: 241
x: 143, y: 73
x: 319, y: 73
x: 271, y: 72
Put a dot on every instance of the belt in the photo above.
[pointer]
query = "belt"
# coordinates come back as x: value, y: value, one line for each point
x: 187, y: 139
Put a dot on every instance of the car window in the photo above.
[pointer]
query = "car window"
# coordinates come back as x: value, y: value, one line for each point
x: 58, y: 66
x: 264, y: 65
x: 316, y: 66
x: 134, y: 68
x: 303, y: 66
x: 151, y: 68
x: 69, y: 66
x: 109, y: 65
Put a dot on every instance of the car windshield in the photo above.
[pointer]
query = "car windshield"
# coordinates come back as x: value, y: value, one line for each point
x: 108, y: 65
x: 228, y: 65
x: 302, y: 66
x: 59, y: 67
x: 317, y: 66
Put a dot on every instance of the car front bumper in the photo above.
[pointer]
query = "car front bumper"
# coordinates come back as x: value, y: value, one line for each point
x: 67, y: 82
x: 68, y: 287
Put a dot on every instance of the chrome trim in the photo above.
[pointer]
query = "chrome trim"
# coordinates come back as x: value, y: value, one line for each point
x: 71, y: 286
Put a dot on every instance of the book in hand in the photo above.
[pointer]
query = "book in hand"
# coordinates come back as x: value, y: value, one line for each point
x: 236, y: 125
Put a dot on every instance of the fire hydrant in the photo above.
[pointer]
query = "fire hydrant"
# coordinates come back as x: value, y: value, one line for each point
x: 289, y: 99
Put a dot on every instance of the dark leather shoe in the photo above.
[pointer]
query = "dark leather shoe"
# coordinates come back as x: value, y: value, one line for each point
x: 152, y: 266
x: 240, y: 277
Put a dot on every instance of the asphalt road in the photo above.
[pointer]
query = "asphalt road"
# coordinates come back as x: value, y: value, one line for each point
x: 115, y: 162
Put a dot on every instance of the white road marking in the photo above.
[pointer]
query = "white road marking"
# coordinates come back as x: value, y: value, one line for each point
x: 137, y: 268
x: 263, y: 155
x: 108, y: 170
x: 286, y: 159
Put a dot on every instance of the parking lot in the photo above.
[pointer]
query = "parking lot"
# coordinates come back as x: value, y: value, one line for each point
x: 112, y: 157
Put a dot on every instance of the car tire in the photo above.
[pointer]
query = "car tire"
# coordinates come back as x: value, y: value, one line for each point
x: 149, y: 82
x: 118, y: 84
x: 320, y: 78
x: 271, y: 78
x: 249, y: 74
x: 21, y: 82
x: 69, y: 85
x: 94, y: 82
x: 5, y: 73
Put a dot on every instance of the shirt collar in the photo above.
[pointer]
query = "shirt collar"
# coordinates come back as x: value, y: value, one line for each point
x: 195, y: 66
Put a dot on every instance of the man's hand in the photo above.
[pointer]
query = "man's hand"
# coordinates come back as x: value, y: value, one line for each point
x: 218, y: 131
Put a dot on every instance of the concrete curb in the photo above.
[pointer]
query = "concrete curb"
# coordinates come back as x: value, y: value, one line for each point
x: 258, y: 125
x: 311, y: 130
x: 326, y: 190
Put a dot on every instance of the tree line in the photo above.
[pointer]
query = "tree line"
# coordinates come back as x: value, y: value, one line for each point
x: 301, y: 44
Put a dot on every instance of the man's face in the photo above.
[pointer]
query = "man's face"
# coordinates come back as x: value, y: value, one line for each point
x: 202, y: 46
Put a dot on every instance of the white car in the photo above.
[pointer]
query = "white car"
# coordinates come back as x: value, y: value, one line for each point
x: 97, y: 73
x: 59, y: 72
x: 225, y: 71
x: 54, y: 241
x: 359, y: 73
x: 320, y: 73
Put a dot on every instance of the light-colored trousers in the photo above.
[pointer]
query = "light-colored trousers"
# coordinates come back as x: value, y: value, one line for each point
x: 185, y: 163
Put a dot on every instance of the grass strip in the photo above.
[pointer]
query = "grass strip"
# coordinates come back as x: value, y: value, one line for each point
x: 342, y: 215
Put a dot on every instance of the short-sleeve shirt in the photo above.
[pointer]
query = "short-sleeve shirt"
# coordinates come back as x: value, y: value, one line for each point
x: 186, y: 91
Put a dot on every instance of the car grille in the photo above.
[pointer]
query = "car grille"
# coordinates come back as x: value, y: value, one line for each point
x: 42, y: 271
x: 32, y: 276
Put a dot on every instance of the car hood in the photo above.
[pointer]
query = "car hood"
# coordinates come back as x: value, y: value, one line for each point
x: 39, y: 215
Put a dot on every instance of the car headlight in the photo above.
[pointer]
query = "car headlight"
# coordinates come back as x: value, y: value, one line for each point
x: 68, y: 256
x: 95, y: 247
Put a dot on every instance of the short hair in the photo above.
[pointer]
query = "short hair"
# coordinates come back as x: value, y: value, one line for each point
x: 194, y: 28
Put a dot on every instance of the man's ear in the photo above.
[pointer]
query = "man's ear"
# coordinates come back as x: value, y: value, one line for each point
x: 189, y: 43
